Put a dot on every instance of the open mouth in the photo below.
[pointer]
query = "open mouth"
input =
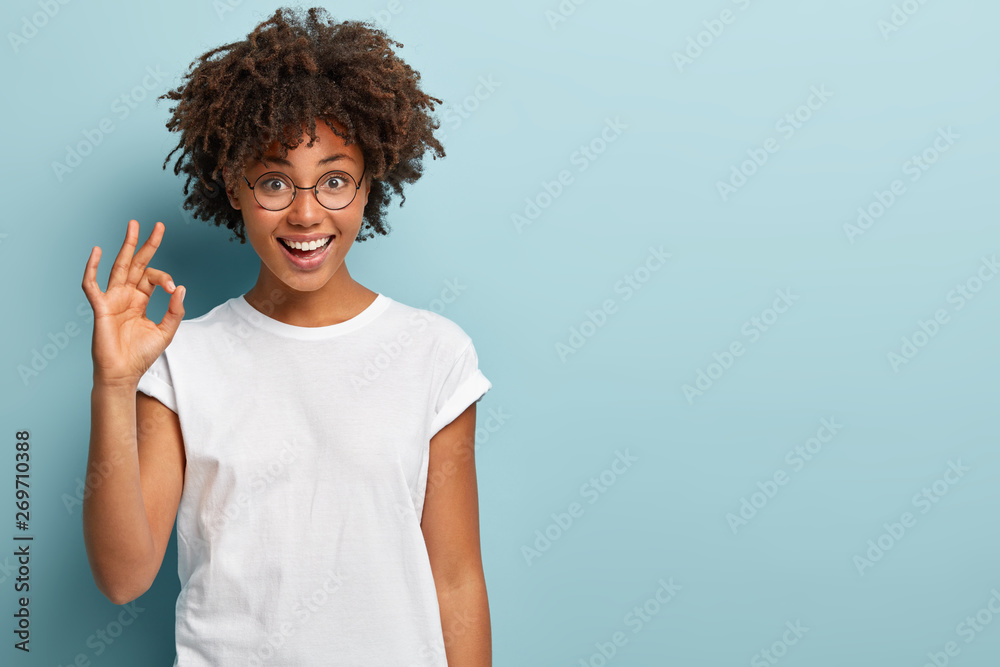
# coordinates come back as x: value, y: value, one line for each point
x: 306, y: 254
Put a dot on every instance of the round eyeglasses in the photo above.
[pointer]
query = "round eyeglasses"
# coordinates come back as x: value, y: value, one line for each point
x: 275, y: 191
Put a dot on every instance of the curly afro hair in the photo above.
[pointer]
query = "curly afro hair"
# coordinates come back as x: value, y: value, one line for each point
x: 292, y: 69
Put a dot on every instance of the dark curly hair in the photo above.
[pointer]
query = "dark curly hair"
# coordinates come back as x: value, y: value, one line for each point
x: 291, y: 70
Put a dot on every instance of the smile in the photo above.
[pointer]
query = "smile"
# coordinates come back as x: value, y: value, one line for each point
x: 307, y: 255
x: 311, y: 245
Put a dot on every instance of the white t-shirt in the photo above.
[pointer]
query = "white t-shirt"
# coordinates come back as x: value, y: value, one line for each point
x: 298, y: 530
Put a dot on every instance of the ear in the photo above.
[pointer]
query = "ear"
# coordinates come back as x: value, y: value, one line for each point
x: 368, y: 187
x: 230, y: 190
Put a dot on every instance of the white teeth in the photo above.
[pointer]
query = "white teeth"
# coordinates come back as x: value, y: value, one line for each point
x: 312, y: 245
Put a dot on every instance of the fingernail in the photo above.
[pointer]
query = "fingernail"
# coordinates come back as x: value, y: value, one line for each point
x: 170, y: 284
x: 183, y: 292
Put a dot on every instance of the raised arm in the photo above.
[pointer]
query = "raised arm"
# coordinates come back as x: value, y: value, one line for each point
x: 135, y: 467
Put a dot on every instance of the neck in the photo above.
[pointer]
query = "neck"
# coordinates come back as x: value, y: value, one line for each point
x: 340, y: 299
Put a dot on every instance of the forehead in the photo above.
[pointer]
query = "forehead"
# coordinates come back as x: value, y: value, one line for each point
x: 327, y: 147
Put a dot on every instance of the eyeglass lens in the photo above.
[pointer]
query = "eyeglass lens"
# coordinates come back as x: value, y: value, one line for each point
x: 275, y: 191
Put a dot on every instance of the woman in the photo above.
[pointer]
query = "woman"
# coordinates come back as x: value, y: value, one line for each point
x: 312, y: 438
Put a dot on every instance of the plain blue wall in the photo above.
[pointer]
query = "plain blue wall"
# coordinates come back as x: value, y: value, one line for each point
x: 893, y: 78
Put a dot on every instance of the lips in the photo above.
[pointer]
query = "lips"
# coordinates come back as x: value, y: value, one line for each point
x: 306, y: 259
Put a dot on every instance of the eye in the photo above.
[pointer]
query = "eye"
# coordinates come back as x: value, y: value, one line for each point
x: 334, y: 182
x: 273, y: 184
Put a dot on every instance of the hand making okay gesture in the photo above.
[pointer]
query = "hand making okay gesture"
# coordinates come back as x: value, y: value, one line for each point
x: 126, y: 342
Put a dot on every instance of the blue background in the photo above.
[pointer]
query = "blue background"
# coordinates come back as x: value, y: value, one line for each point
x: 674, y: 514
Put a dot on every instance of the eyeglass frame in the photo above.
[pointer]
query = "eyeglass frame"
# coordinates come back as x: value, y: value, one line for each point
x: 295, y: 192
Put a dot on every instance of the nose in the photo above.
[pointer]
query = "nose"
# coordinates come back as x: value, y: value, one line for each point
x: 305, y: 209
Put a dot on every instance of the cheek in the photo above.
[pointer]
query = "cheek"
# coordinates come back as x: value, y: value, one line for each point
x: 355, y: 224
x: 257, y: 230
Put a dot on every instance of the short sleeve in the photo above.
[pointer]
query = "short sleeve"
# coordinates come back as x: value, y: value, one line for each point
x: 156, y: 382
x: 463, y: 385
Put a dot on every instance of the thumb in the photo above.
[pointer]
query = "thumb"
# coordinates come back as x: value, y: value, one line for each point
x: 175, y: 313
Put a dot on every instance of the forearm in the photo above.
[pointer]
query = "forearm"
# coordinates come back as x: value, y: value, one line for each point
x: 116, y: 528
x: 465, y: 620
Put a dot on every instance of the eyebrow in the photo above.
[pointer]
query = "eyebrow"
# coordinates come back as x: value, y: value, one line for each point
x: 329, y: 158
